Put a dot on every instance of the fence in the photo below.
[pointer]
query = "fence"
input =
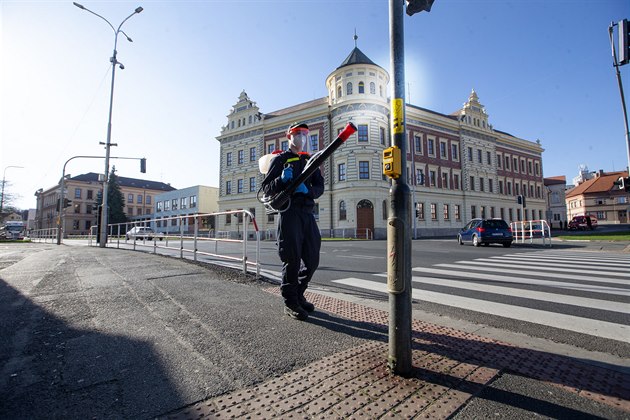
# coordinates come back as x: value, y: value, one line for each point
x: 530, y: 230
x: 43, y: 235
x: 185, y: 242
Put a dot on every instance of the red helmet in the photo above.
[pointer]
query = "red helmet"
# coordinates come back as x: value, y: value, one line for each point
x: 295, y: 128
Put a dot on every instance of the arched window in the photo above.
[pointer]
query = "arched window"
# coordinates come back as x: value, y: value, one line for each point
x: 361, y: 87
x: 365, y: 204
x: 338, y: 92
x: 349, y: 88
x: 342, y: 210
x: 372, y: 88
x: 380, y: 90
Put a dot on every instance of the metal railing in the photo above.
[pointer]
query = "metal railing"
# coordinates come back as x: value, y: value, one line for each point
x: 43, y: 235
x: 186, y: 238
x: 347, y: 233
x: 531, y: 230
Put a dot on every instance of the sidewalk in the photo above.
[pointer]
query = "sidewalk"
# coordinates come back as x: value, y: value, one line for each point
x: 89, y: 332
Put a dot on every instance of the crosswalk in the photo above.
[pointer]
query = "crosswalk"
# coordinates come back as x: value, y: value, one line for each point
x: 580, y: 291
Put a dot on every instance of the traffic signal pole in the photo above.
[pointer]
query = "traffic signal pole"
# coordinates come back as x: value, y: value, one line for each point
x: 624, y: 40
x: 399, y: 220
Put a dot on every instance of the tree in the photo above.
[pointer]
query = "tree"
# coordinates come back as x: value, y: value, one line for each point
x: 115, y: 200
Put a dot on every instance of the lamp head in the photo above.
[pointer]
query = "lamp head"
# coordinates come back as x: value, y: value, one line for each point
x: 138, y: 9
x: 80, y: 6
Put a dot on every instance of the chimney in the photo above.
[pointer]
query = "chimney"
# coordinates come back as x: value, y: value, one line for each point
x: 600, y: 172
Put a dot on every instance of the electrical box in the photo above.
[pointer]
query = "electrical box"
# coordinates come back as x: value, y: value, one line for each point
x: 392, y: 166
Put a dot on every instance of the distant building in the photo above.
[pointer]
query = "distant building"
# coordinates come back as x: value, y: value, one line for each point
x: 599, y: 197
x: 82, y: 191
x: 459, y: 166
x: 199, y: 199
x: 555, y: 188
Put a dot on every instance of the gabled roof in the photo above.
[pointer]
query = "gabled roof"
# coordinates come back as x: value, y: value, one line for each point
x: 601, y: 183
x: 127, y: 182
x: 356, y: 57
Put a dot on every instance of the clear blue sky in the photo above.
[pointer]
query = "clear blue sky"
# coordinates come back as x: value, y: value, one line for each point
x: 542, y: 68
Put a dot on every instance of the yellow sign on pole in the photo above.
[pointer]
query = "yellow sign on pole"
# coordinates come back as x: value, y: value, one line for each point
x: 397, y: 116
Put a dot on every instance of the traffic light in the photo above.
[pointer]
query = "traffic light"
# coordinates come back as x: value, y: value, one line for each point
x: 143, y: 165
x: 520, y: 199
x: 415, y: 6
x: 623, y: 183
x: 66, y: 203
x: 624, y: 42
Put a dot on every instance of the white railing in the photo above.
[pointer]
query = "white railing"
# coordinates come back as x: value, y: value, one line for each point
x: 43, y: 235
x: 531, y: 230
x: 186, y: 240
x: 347, y: 233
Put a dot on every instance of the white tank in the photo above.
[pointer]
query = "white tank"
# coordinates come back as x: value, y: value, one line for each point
x: 264, y: 163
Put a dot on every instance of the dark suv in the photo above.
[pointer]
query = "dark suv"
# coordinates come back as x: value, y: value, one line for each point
x: 488, y: 231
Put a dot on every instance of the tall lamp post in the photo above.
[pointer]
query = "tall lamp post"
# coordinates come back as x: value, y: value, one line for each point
x: 108, y: 144
x: 3, y: 181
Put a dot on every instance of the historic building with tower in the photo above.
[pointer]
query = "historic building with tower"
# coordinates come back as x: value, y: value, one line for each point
x: 459, y: 166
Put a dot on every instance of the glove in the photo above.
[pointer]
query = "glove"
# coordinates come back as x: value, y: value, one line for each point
x: 301, y: 189
x: 287, y: 175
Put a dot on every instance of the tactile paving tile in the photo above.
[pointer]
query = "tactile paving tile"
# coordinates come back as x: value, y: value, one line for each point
x: 449, y: 367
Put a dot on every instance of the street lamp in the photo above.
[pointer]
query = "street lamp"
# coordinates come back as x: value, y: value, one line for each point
x: 3, y: 181
x: 108, y: 144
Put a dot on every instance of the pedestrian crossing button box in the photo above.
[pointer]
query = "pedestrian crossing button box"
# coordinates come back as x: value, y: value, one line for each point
x: 392, y: 166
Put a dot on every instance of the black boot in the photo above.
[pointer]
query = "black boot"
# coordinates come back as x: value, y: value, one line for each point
x: 305, y: 304
x: 295, y: 311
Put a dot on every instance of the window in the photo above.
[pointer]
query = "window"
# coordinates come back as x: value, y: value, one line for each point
x: 240, y: 157
x: 252, y: 184
x: 538, y: 195
x: 158, y: 207
x: 284, y: 145
x: 420, y: 210
x: 473, y: 212
x: 443, y: 150
x: 270, y: 218
x: 167, y: 205
x: 500, y: 187
x: 90, y: 194
x: 239, y: 186
x: 372, y: 88
x: 252, y: 154
x: 77, y: 208
x: 479, y: 155
x: 338, y: 91
x: 139, y: 199
x: 482, y: 184
x: 228, y: 188
x: 446, y: 211
x: 470, y: 154
x: 445, y: 180
x: 507, y: 163
x: 511, y: 213
x: 419, y: 177
x: 529, y: 167
x: 515, y: 165
x: 174, y: 203
x: 456, y: 210
x: 433, y: 211
x: 147, y: 199
x: 364, y: 169
x: 361, y: 87
x: 537, y: 166
x: 522, y: 166
x: 454, y: 152
x: 381, y: 131
x: 228, y: 218
x: 432, y: 178
x: 342, y: 210
x: 228, y: 159
x: 490, y: 185
x: 363, y: 133
x: 193, y: 201
x: 499, y: 159
x: 509, y: 188
x: 271, y: 147
x: 342, y: 171
x: 349, y: 88
x: 184, y: 202
x: 489, y: 158
x: 384, y: 209
x: 431, y: 147
x: 314, y: 142
x: 516, y: 188
x: 417, y: 140
x: 77, y: 193
x: 130, y: 198
x: 472, y: 183
x: 456, y: 181
x: 483, y: 212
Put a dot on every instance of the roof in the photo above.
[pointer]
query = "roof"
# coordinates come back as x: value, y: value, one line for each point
x: 601, y: 183
x: 127, y: 182
x: 298, y: 107
x: 356, y: 57
x: 555, y: 180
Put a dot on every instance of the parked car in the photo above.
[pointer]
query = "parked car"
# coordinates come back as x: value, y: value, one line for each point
x: 143, y: 232
x: 583, y: 223
x: 486, y: 232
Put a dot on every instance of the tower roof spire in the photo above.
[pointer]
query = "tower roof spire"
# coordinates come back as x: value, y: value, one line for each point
x: 355, y: 37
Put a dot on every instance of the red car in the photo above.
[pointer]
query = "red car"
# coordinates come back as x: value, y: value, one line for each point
x: 583, y: 223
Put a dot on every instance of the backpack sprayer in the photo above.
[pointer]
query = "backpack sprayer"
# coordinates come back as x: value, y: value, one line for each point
x: 282, y: 201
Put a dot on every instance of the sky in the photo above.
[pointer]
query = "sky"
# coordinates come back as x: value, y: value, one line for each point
x: 542, y: 69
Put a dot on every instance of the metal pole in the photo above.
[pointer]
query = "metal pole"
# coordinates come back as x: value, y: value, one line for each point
x: 623, y: 100
x: 62, y: 196
x: 398, y: 232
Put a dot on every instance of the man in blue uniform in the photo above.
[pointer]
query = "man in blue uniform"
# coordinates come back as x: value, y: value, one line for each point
x: 298, y: 234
